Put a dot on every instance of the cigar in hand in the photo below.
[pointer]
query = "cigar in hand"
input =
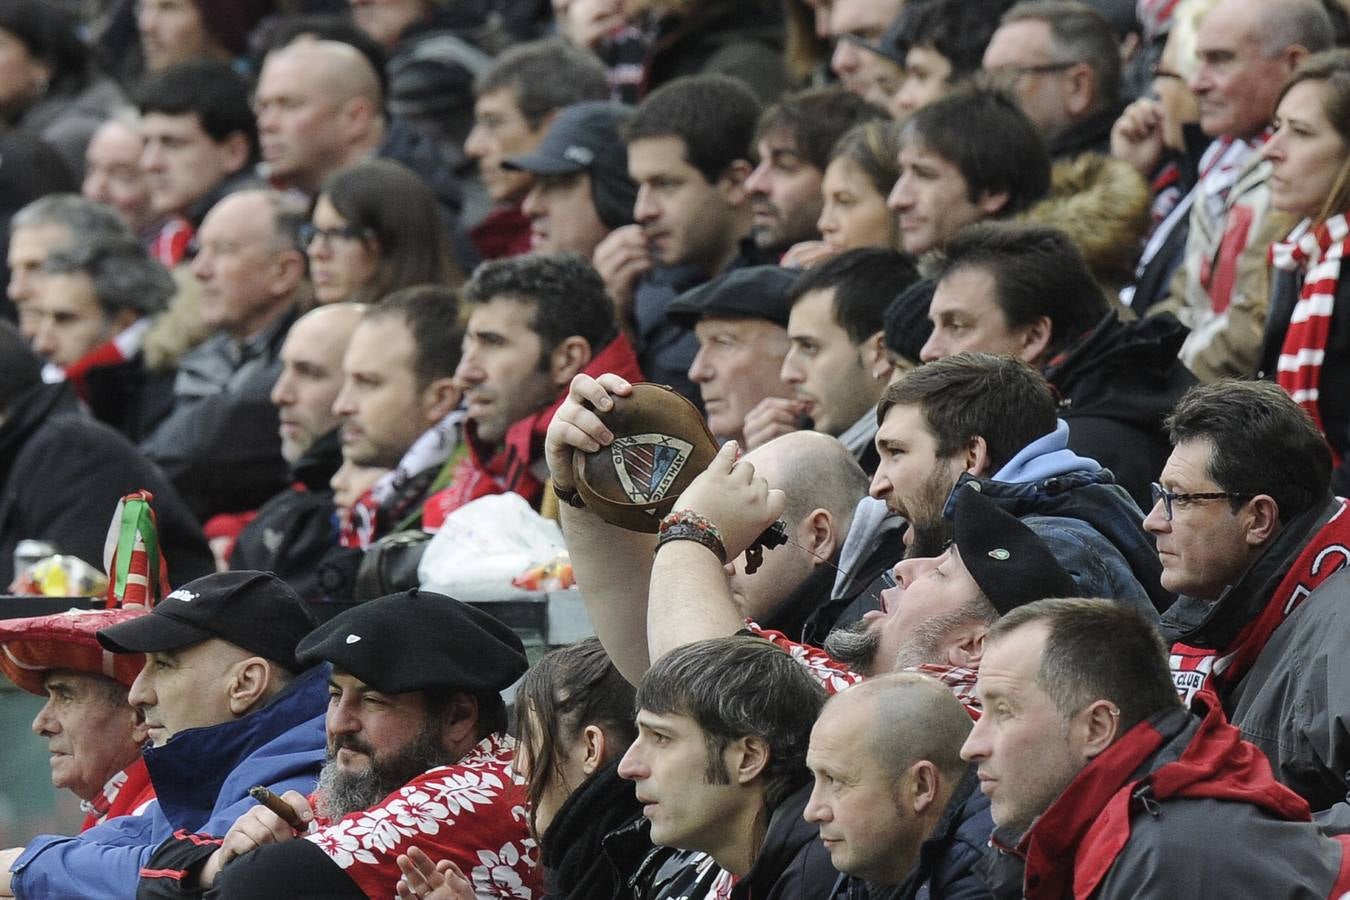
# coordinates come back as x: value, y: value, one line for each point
x: 278, y: 806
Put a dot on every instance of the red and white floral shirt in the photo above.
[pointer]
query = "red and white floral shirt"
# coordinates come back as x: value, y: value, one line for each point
x: 472, y: 812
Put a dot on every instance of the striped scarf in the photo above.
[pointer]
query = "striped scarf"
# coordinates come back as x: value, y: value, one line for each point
x: 1315, y: 250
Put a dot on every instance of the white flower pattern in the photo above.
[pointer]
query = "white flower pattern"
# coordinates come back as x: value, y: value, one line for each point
x: 478, y: 796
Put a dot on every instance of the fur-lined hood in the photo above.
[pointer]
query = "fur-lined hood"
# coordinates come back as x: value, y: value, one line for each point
x: 1103, y: 204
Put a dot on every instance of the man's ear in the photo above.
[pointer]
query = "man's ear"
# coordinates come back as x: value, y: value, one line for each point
x: 874, y: 358
x: 1262, y: 520
x: 1035, y: 340
x: 1099, y: 726
x: 731, y: 183
x: 568, y: 359
x: 439, y: 398
x: 991, y: 203
x: 967, y: 645
x: 746, y: 759
x: 459, y: 730
x: 1082, y: 89
x: 974, y: 457
x: 921, y: 786
x: 237, y: 149
x: 820, y: 531
x: 247, y: 684
x: 288, y: 272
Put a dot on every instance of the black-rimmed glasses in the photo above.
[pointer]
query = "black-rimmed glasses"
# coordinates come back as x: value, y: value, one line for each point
x: 1167, y: 497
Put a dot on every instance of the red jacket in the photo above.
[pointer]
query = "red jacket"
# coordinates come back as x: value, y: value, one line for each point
x: 514, y: 467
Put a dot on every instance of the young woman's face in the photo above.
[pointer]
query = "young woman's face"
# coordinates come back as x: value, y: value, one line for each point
x: 1306, y: 152
x: 561, y: 780
x: 854, y: 213
x: 341, y: 262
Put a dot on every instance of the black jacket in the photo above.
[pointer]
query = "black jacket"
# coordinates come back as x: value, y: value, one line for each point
x: 597, y: 841
x: 948, y: 858
x: 61, y: 475
x: 1116, y: 387
x: 293, y: 530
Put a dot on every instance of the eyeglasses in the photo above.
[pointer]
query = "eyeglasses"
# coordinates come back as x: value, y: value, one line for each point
x: 1160, y: 72
x: 311, y: 233
x: 1167, y: 497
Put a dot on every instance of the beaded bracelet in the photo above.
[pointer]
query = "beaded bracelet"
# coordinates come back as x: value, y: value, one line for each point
x: 687, y: 525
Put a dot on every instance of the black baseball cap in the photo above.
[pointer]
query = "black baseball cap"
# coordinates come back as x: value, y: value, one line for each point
x: 585, y: 137
x: 1012, y: 566
x: 755, y: 292
x: 418, y: 640
x: 255, y: 611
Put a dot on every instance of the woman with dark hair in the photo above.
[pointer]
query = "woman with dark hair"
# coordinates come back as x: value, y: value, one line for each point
x: 1306, y: 348
x: 376, y: 227
x: 860, y: 174
x: 48, y: 85
x: 574, y: 721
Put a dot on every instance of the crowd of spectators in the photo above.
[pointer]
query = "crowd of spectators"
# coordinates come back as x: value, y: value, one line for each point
x: 1020, y: 323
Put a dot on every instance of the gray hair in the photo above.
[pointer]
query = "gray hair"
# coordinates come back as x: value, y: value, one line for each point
x: 1295, y: 23
x: 1079, y: 33
x: 123, y: 274
x: 85, y: 219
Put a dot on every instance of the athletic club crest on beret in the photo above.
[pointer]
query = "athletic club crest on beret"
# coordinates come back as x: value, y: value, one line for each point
x: 647, y: 464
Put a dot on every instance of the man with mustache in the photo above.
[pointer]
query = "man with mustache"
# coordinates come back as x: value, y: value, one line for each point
x: 418, y: 755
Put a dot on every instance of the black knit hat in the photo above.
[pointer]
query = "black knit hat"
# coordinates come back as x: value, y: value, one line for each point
x: 253, y: 610
x: 906, y: 322
x: 418, y: 640
x: 1012, y: 566
x: 584, y: 137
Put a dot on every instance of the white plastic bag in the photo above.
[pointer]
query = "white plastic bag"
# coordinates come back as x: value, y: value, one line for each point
x: 483, y: 545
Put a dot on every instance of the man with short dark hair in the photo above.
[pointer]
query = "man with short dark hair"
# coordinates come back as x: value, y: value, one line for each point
x: 399, y: 406
x: 943, y: 42
x: 793, y: 140
x: 1061, y: 60
x: 688, y: 152
x: 417, y: 755
x: 989, y: 420
x: 516, y: 99
x: 220, y: 444
x: 581, y: 190
x: 836, y: 364
x: 1251, y: 539
x: 226, y: 704
x: 718, y: 765
x: 1026, y: 290
x: 534, y: 323
x: 179, y: 31
x: 970, y: 156
x: 1101, y: 784
x: 200, y: 143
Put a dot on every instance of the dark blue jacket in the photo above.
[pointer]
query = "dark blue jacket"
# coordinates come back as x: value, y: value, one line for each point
x: 1088, y: 521
x: 201, y: 779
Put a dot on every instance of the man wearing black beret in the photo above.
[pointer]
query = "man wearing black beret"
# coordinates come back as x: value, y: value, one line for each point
x: 418, y: 755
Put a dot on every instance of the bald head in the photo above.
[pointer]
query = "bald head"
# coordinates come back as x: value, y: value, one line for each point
x: 816, y: 472
x: 912, y: 718
x: 319, y: 109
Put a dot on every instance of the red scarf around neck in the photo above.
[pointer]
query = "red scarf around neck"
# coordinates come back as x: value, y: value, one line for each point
x: 1217, y: 669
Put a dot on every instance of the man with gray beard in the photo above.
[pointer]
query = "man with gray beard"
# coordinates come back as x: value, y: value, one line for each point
x: 418, y: 755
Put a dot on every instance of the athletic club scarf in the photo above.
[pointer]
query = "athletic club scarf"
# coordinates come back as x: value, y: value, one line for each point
x: 1218, y: 669
x: 1316, y: 251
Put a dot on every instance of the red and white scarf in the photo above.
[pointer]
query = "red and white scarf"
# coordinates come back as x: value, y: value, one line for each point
x: 1316, y: 250
x: 1218, y: 669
